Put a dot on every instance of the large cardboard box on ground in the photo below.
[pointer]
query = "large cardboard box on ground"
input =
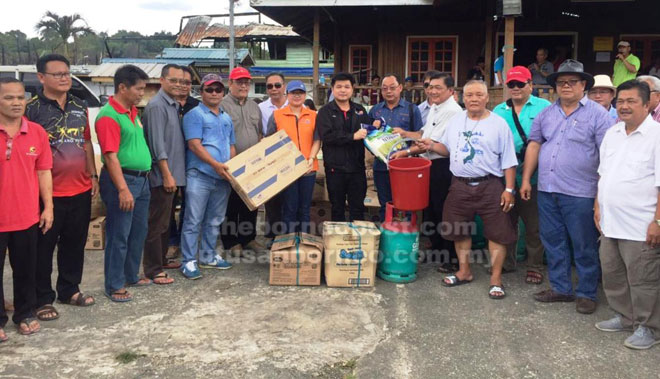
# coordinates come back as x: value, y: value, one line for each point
x: 96, y: 234
x: 265, y: 169
x: 351, y: 253
x: 295, y: 260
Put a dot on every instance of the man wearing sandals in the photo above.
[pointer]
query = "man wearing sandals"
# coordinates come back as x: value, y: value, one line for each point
x: 481, y: 152
x: 123, y: 182
x: 162, y: 129
x: 628, y: 215
x: 25, y: 164
x: 64, y: 117
x: 519, y: 112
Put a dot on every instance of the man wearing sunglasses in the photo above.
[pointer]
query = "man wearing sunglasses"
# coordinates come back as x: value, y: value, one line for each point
x: 519, y: 112
x: 276, y: 100
x: 564, y: 143
x: 162, y: 129
x: 210, y: 136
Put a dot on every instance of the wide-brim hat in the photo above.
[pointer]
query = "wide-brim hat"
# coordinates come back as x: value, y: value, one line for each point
x: 603, y: 81
x: 571, y: 67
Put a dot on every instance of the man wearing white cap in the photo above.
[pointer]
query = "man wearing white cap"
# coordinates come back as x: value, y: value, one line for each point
x: 603, y: 93
x: 626, y: 65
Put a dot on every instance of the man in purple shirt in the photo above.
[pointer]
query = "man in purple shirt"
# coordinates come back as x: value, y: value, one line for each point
x: 564, y: 143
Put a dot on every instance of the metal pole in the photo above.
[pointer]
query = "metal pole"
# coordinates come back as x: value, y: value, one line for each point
x: 231, y: 35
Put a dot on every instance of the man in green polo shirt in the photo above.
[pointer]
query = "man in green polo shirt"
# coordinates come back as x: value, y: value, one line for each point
x: 123, y: 182
x: 523, y: 108
x: 626, y: 64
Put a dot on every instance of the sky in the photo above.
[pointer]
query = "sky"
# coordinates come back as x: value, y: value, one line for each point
x: 144, y: 16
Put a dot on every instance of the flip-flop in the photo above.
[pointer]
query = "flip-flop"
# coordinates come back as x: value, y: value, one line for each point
x: 163, y: 275
x: 493, y: 289
x: 4, y: 338
x: 81, y: 300
x: 141, y: 283
x: 454, y: 281
x: 41, y: 311
x: 532, y: 275
x: 119, y: 300
x: 172, y: 265
x: 27, y: 321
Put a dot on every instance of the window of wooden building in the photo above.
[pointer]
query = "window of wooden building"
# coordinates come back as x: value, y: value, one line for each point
x: 359, y: 62
x: 645, y: 47
x: 432, y: 53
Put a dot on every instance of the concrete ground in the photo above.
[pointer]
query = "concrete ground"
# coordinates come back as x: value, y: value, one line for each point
x: 233, y: 324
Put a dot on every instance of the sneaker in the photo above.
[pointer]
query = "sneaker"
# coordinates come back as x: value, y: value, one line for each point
x: 217, y: 263
x: 642, y: 339
x: 190, y: 270
x: 615, y: 324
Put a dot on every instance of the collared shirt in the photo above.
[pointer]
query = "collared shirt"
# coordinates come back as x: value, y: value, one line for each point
x: 612, y: 112
x: 216, y: 134
x: 19, y: 182
x: 267, y: 108
x: 162, y: 129
x: 68, y: 130
x: 404, y: 115
x: 424, y: 108
x: 546, y: 68
x: 568, y: 159
x: 656, y: 113
x: 246, y: 119
x: 621, y: 73
x: 479, y: 148
x: 532, y: 107
x: 436, y: 123
x: 629, y: 180
x: 190, y: 103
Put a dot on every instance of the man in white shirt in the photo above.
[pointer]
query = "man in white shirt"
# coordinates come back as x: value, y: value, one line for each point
x: 275, y: 87
x: 443, y: 107
x: 426, y: 104
x: 628, y: 216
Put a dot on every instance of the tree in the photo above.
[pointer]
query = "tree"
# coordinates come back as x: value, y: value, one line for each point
x: 66, y: 27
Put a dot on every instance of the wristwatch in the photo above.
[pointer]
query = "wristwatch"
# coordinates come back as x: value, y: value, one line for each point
x: 408, y: 152
x: 510, y: 190
x: 657, y: 222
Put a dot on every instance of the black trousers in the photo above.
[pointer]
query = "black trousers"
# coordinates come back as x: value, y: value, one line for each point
x: 342, y: 186
x: 274, y: 216
x: 22, y: 246
x: 240, y: 225
x: 443, y: 251
x: 69, y: 234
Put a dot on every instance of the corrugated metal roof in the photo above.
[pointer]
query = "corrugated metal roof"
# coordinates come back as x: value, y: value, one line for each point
x: 202, y: 54
x: 108, y: 69
x: 335, y: 3
x: 291, y: 71
x: 197, y: 29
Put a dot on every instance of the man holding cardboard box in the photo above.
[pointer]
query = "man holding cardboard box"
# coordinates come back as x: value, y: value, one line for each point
x: 240, y: 227
x: 210, y: 136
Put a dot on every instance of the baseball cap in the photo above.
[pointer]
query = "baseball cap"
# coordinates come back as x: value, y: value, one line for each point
x: 518, y: 73
x: 209, y: 79
x: 623, y: 43
x: 239, y: 73
x: 295, y: 85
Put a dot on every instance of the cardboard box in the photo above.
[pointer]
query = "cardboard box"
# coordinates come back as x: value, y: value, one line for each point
x: 98, y: 208
x: 351, y: 253
x: 295, y: 260
x: 265, y: 169
x: 96, y: 234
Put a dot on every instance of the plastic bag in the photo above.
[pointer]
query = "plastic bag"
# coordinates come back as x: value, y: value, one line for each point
x: 382, y: 141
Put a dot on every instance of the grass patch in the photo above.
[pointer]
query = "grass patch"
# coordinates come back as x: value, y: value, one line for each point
x: 128, y: 357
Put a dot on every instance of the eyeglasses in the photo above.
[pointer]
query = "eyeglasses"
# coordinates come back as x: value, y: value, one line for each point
x: 276, y: 85
x: 179, y: 81
x: 570, y: 82
x: 426, y: 84
x: 10, y: 142
x: 214, y: 89
x: 516, y: 84
x: 390, y: 88
x: 59, y: 75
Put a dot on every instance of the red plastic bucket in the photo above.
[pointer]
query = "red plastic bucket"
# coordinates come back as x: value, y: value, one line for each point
x: 409, y: 178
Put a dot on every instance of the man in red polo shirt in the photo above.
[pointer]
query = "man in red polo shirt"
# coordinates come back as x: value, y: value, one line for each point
x: 25, y: 163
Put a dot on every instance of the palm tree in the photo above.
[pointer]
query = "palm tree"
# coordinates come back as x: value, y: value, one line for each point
x: 64, y: 27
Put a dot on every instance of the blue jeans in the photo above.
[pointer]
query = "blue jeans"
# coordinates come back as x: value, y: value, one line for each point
x: 564, y: 218
x: 206, y: 204
x: 125, y: 232
x: 297, y: 200
x: 384, y: 190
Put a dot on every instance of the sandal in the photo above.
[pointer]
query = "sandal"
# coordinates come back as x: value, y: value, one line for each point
x: 172, y: 264
x: 453, y: 281
x: 163, y: 279
x: 534, y: 277
x: 120, y: 296
x: 25, y: 323
x: 141, y: 283
x: 494, y: 290
x: 3, y: 335
x: 80, y: 301
x: 43, y: 311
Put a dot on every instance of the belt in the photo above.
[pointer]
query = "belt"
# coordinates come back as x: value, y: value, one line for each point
x: 474, y: 180
x: 135, y: 172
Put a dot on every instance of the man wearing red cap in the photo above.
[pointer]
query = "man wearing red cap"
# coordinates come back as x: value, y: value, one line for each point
x: 239, y: 230
x: 519, y: 112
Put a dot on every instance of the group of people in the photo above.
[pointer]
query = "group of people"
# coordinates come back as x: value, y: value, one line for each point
x: 583, y: 178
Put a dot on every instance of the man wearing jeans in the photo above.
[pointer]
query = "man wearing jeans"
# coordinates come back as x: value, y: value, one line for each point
x: 210, y: 136
x: 123, y: 182
x: 628, y: 214
x: 564, y: 143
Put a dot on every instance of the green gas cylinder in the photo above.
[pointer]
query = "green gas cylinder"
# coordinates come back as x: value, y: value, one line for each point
x: 399, y: 248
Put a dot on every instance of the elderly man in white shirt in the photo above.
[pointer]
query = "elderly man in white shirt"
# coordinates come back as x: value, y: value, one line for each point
x: 627, y: 213
x: 443, y: 107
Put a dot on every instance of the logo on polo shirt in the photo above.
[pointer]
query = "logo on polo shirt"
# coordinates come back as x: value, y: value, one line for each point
x: 32, y: 151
